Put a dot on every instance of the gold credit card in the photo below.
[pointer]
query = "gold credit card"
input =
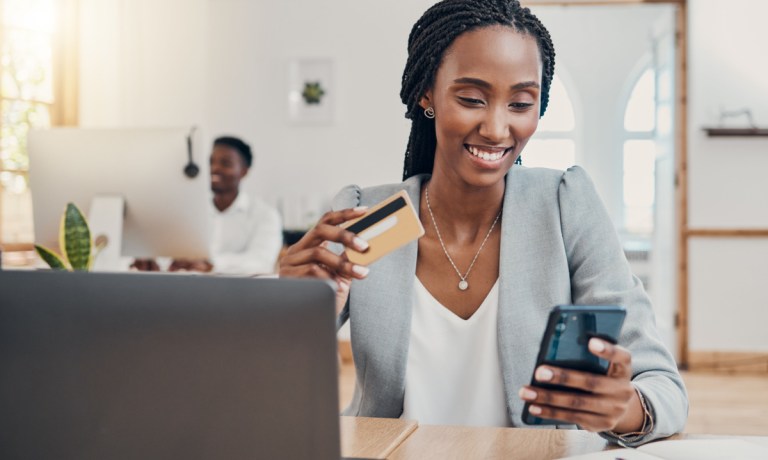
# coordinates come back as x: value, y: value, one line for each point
x: 387, y: 226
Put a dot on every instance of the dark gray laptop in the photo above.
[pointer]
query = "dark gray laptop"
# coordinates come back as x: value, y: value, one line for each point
x: 127, y: 366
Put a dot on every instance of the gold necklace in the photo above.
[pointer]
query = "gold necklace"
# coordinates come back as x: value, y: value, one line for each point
x: 463, y: 284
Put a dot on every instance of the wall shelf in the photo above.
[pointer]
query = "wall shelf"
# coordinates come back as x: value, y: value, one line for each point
x: 736, y: 132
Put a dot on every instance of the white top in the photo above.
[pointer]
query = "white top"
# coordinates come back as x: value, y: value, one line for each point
x: 246, y: 237
x: 453, y: 375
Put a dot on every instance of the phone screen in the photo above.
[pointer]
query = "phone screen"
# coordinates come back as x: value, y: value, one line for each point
x: 566, y: 339
x: 570, y: 336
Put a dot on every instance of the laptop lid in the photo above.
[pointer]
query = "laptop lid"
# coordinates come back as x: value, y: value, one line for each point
x: 128, y: 366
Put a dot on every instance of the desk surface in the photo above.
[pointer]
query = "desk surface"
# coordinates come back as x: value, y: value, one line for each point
x: 373, y: 437
x: 405, y: 440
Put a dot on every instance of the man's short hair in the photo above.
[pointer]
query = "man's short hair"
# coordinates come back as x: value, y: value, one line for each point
x: 236, y: 143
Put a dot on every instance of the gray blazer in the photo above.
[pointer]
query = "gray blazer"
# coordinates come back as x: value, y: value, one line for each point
x: 558, y: 247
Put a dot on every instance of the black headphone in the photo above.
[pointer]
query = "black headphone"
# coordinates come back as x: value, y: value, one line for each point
x: 191, y: 170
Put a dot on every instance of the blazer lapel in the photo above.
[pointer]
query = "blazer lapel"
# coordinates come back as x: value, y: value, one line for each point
x: 514, y: 333
x: 381, y: 317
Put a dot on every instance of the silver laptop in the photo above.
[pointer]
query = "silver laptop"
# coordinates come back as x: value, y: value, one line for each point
x: 128, y: 366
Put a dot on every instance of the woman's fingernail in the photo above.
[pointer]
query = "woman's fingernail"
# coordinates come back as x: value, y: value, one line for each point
x: 528, y: 394
x: 360, y: 270
x: 360, y: 208
x: 535, y: 410
x: 544, y: 375
x: 360, y: 244
x: 596, y: 345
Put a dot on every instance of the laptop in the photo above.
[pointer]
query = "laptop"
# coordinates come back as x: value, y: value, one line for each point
x: 132, y: 366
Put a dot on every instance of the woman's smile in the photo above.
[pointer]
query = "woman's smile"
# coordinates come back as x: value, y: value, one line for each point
x: 487, y: 157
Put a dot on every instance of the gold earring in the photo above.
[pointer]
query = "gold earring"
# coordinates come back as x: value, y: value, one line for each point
x: 429, y: 112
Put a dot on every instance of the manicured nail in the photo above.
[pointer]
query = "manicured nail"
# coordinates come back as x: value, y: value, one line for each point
x: 360, y: 208
x: 360, y: 244
x: 544, y: 375
x: 535, y: 410
x: 527, y: 394
x: 596, y: 345
x: 360, y: 270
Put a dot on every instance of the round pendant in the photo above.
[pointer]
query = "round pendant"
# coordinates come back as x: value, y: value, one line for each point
x: 463, y: 285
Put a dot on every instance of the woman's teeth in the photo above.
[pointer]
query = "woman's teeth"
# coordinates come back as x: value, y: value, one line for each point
x: 488, y: 156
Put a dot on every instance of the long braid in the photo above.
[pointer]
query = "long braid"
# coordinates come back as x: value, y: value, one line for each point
x: 431, y: 36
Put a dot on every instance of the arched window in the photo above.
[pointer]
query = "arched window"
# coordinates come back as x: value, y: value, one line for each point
x: 553, y: 145
x: 639, y: 155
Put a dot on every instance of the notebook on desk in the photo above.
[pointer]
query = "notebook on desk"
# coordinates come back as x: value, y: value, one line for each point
x: 127, y: 366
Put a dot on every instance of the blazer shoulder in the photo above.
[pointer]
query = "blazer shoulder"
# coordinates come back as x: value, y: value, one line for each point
x: 541, y: 179
x: 347, y: 197
x: 577, y: 177
x: 353, y: 195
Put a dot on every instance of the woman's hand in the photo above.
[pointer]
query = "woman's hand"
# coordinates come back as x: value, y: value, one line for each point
x: 611, y: 404
x: 310, y: 257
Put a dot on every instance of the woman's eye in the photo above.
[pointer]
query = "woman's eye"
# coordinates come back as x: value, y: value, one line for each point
x: 521, y: 105
x: 470, y: 100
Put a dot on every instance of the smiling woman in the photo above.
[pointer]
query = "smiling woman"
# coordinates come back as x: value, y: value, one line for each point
x: 445, y: 330
x: 36, y: 81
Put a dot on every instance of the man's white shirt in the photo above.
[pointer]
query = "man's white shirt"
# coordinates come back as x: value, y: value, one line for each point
x: 246, y: 237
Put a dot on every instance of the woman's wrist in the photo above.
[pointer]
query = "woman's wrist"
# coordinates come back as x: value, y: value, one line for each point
x: 637, y: 421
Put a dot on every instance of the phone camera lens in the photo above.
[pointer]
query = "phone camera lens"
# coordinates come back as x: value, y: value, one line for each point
x: 560, y: 327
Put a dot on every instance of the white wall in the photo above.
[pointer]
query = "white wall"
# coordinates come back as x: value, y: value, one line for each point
x: 727, y: 68
x: 728, y: 298
x: 101, y: 58
x: 143, y: 62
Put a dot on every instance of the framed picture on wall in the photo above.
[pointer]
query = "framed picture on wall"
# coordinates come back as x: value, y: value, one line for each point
x: 311, y: 93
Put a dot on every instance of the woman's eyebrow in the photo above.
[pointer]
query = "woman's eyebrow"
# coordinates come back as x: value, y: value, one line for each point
x: 473, y: 81
x: 485, y: 84
x: 525, y: 84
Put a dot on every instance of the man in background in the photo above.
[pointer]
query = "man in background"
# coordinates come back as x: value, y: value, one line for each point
x: 246, y: 232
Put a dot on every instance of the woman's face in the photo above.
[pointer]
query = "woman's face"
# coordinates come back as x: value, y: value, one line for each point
x: 486, y: 99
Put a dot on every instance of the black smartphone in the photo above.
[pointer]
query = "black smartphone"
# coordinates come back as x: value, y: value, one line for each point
x: 565, y: 344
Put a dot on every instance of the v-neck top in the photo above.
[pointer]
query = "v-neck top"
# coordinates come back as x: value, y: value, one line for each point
x: 453, y: 374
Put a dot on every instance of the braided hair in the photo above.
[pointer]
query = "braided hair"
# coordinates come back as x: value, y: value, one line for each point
x: 431, y: 36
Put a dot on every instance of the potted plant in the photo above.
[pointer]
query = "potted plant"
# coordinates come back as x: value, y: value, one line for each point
x: 75, y: 243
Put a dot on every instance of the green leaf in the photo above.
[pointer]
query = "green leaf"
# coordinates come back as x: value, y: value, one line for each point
x: 75, y: 239
x: 51, y: 258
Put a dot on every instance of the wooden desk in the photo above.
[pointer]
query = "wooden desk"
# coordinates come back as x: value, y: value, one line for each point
x: 457, y: 442
x: 406, y: 440
x: 373, y: 437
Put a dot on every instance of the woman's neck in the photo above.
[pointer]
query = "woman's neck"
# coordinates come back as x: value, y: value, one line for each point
x: 464, y: 211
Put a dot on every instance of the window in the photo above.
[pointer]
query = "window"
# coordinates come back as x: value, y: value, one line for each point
x: 29, y: 85
x: 639, y: 151
x: 553, y: 145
